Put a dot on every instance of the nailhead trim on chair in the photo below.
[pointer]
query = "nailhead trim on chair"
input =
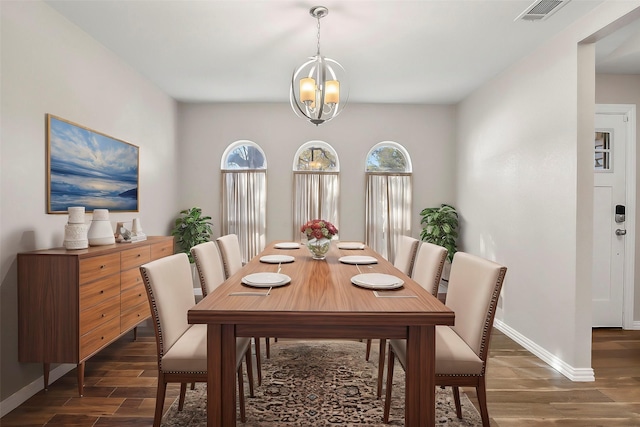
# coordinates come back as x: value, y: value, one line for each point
x: 489, y: 319
x: 156, y: 318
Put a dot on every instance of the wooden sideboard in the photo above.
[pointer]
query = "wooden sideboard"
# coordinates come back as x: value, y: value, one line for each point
x: 73, y: 303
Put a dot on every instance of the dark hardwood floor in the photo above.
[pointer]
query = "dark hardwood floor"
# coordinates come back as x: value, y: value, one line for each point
x: 120, y: 386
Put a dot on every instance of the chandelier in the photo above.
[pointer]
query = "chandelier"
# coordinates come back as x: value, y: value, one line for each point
x: 319, y: 88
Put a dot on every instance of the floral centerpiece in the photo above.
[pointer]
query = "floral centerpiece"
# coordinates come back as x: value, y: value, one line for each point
x: 319, y: 234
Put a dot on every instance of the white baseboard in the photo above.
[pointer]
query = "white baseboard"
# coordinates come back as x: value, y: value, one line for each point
x: 22, y: 395
x: 574, y: 374
x: 636, y: 325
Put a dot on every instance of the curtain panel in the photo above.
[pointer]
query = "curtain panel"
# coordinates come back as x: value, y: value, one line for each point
x: 315, y: 196
x: 388, y: 211
x: 244, y: 209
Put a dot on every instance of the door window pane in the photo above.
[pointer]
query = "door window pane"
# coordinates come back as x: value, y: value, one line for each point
x: 602, y: 151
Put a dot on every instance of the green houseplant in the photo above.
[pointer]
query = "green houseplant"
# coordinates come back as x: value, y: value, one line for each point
x: 191, y: 228
x: 440, y: 227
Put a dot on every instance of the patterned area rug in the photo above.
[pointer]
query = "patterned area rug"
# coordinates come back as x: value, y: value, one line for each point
x: 321, y: 383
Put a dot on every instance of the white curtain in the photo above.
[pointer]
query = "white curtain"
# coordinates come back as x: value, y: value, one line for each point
x: 388, y: 211
x: 244, y: 209
x: 315, y: 196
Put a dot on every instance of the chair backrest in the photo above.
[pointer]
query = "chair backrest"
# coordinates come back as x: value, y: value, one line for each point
x: 169, y: 286
x: 405, y: 254
x: 473, y: 292
x: 231, y: 255
x: 427, y: 268
x: 209, y: 265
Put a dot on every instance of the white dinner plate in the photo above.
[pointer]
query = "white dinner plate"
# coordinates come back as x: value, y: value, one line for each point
x: 358, y: 259
x: 287, y: 245
x: 350, y: 245
x: 377, y: 281
x: 266, y: 280
x: 276, y: 259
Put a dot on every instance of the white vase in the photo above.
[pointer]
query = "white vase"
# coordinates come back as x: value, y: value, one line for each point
x: 100, y: 232
x: 75, y: 231
x: 75, y: 236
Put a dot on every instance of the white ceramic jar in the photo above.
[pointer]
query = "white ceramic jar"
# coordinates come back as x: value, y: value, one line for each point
x: 100, y: 232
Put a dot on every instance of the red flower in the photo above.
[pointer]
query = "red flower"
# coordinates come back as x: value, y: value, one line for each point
x: 319, y: 229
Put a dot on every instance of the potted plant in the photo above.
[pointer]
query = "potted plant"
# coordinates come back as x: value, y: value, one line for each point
x: 191, y: 228
x: 440, y: 227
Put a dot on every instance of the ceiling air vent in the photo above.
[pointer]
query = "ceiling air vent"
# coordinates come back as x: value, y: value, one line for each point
x: 541, y: 10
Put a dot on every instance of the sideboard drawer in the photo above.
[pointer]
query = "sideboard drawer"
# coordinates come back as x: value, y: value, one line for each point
x: 99, y: 337
x: 101, y: 290
x: 133, y: 296
x: 131, y: 278
x: 135, y: 257
x: 99, y: 314
x: 134, y: 315
x: 161, y: 250
x: 99, y: 266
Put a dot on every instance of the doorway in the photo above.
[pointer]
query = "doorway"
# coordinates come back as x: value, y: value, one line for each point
x: 614, y: 216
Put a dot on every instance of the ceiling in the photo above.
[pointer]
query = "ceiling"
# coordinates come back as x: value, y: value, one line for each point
x: 418, y: 51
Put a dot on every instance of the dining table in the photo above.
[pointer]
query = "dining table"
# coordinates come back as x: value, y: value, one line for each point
x: 325, y: 300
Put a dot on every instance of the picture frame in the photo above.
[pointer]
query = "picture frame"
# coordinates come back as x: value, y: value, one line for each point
x: 89, y: 168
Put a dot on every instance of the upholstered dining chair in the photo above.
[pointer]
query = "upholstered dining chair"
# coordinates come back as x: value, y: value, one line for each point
x: 232, y: 260
x: 211, y: 273
x: 461, y: 350
x: 231, y: 255
x: 427, y: 271
x: 404, y: 259
x: 181, y: 347
x: 406, y: 254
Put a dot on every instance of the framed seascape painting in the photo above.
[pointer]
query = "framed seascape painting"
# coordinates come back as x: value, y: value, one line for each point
x: 90, y: 169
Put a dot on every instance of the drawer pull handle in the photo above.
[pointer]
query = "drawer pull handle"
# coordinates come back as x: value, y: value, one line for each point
x: 139, y: 255
x: 103, y: 315
x: 102, y: 292
x: 101, y: 338
x: 102, y: 266
x: 139, y: 295
x: 138, y: 314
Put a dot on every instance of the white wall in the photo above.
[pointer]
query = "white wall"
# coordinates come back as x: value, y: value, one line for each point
x: 525, y: 195
x: 51, y: 66
x: 427, y: 132
x: 624, y: 89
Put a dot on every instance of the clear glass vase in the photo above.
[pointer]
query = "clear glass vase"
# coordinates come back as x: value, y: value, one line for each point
x: 319, y: 247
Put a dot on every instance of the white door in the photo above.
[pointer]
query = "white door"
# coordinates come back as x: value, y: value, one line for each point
x: 609, y: 192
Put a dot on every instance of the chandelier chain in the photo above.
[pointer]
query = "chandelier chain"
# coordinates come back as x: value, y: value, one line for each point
x: 318, y: 50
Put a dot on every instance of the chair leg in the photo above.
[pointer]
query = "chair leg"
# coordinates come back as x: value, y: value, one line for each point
x: 256, y: 340
x: 249, y: 370
x: 183, y: 392
x: 456, y: 399
x: 193, y: 386
x: 481, y: 391
x: 383, y: 347
x: 267, y: 346
x: 387, y: 397
x: 243, y: 415
x: 366, y: 356
x: 160, y: 395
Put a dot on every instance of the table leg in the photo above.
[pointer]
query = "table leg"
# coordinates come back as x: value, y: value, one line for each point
x: 214, y: 372
x: 420, y: 393
x: 221, y: 378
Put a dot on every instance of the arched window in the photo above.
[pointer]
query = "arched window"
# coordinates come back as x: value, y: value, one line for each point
x: 244, y: 196
x: 388, y: 197
x: 316, y: 185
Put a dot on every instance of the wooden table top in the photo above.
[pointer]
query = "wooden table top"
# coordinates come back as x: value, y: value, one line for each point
x: 320, y: 291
